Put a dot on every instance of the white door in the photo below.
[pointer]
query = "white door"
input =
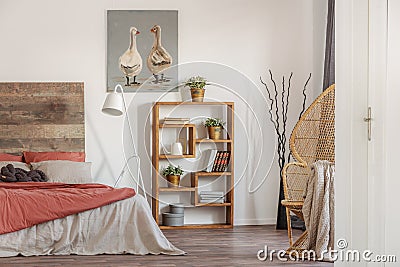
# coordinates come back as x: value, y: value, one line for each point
x: 368, y: 66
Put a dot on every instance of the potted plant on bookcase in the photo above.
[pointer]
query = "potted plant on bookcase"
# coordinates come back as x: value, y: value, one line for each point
x: 196, y: 85
x: 214, y: 127
x: 173, y: 175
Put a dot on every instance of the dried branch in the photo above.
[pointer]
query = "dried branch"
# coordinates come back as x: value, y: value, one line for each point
x: 280, y: 123
x: 287, y: 108
x: 304, y: 96
x: 271, y: 104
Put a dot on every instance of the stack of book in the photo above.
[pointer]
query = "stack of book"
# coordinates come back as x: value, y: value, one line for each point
x: 216, y: 160
x: 211, y: 197
x: 171, y: 120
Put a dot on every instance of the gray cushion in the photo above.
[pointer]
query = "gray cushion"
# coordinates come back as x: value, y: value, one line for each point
x: 65, y: 171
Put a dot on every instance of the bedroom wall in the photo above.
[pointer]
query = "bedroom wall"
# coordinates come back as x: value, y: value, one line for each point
x: 48, y: 40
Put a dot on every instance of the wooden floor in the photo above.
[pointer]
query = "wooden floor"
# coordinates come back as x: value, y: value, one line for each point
x: 204, y: 247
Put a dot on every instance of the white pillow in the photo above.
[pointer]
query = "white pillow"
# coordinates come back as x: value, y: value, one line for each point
x: 16, y: 164
x: 65, y: 171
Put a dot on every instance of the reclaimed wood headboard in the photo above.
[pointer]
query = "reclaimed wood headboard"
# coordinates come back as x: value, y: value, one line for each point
x: 42, y: 116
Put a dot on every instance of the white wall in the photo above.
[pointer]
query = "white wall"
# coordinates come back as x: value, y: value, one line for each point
x: 57, y: 40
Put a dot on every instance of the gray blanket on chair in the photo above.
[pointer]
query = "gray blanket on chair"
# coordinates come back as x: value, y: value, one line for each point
x: 318, y: 208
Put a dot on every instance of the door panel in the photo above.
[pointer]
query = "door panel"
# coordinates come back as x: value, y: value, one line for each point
x: 392, y: 132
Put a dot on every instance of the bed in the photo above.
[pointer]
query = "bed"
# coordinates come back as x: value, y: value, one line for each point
x: 50, y: 117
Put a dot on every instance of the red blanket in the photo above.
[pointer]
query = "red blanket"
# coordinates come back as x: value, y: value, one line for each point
x: 23, y: 205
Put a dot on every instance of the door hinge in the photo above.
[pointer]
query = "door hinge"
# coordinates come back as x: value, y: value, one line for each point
x: 368, y: 120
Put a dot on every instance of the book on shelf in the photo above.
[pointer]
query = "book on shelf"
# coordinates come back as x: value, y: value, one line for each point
x: 217, y: 201
x: 210, y: 197
x: 224, y: 161
x: 211, y: 194
x: 216, y: 160
x: 209, y: 158
x: 171, y: 120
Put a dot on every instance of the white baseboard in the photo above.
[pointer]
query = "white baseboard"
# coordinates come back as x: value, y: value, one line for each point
x: 266, y: 221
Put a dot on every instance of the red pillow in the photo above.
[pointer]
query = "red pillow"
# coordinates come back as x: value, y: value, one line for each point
x: 54, y: 155
x: 9, y: 157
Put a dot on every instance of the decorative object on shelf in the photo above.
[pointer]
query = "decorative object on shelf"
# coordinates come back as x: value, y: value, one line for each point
x: 196, y: 85
x: 176, y: 149
x: 173, y: 219
x: 125, y: 66
x: 115, y: 105
x: 173, y: 175
x: 214, y: 127
x: 278, y: 114
x: 177, y: 208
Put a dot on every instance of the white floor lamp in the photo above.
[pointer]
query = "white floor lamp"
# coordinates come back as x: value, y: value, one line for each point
x: 115, y: 105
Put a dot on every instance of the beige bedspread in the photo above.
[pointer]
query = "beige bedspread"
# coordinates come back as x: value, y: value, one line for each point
x: 318, y: 208
x: 126, y: 226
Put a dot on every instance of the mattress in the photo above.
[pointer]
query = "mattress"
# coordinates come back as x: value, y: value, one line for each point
x: 123, y: 227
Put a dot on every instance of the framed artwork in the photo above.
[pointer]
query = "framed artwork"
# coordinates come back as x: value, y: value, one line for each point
x: 142, y: 45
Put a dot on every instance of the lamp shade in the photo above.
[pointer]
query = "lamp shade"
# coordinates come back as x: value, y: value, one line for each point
x: 113, y: 105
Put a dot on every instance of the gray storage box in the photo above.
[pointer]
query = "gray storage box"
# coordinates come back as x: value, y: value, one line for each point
x: 176, y: 208
x: 172, y: 219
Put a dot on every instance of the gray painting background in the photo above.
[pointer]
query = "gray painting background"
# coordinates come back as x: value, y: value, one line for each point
x: 118, y: 39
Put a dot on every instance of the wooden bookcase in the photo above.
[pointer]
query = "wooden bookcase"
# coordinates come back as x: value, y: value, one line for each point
x: 224, y: 144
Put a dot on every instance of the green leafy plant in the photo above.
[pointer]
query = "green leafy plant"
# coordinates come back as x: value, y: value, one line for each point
x: 172, y: 170
x: 196, y: 82
x: 213, y: 122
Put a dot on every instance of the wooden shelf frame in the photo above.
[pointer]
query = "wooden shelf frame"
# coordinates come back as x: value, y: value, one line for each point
x: 206, y: 140
x: 228, y: 144
x: 197, y: 226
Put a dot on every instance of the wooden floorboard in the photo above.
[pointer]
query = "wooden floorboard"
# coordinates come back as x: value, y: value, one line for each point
x: 204, y: 247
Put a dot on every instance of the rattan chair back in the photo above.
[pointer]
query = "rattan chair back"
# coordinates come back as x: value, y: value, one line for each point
x: 312, y: 139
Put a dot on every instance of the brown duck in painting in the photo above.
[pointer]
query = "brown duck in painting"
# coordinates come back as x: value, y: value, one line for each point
x: 130, y: 63
x: 159, y: 59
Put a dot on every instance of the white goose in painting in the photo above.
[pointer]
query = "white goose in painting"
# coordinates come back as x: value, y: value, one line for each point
x: 130, y: 63
x: 159, y: 59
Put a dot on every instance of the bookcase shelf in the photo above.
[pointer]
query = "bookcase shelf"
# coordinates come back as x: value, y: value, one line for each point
x: 206, y: 140
x: 213, y: 204
x: 197, y: 226
x: 213, y: 173
x: 226, y: 208
x: 168, y: 156
x: 187, y: 125
x: 177, y: 189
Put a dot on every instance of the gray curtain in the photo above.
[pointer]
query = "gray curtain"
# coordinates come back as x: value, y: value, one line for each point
x: 329, y: 66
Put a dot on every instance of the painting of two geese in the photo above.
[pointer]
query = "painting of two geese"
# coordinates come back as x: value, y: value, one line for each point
x: 142, y: 45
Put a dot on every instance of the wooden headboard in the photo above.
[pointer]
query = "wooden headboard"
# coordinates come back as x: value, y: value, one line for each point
x: 42, y: 116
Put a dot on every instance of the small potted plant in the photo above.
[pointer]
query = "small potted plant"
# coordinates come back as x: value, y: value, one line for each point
x: 214, y: 127
x: 196, y: 85
x: 173, y: 175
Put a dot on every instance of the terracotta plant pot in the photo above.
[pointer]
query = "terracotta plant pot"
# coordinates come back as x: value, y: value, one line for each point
x: 197, y: 94
x: 214, y: 132
x: 173, y: 180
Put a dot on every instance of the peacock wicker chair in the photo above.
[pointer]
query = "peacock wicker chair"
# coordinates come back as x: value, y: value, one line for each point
x: 312, y: 139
